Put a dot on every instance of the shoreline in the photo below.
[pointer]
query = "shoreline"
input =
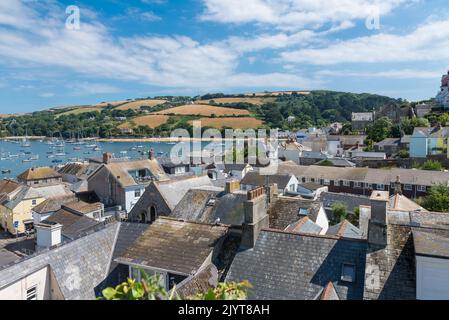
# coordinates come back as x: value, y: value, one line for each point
x: 161, y: 139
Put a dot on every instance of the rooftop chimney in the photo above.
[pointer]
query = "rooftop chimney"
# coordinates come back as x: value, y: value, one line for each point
x: 397, y: 186
x: 151, y: 154
x: 48, y: 235
x: 377, y: 226
x: 107, y: 158
x: 256, y: 217
x: 232, y: 186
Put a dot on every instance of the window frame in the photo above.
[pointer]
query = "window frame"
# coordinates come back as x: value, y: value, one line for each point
x: 348, y: 279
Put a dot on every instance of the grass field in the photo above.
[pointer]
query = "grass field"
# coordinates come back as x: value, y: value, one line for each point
x: 203, y: 110
x: 256, y: 101
x: 112, y: 103
x: 236, y: 123
x: 135, y: 105
x: 80, y: 111
x: 152, y: 121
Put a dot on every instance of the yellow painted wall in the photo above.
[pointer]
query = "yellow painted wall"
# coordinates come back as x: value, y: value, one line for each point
x: 20, y: 213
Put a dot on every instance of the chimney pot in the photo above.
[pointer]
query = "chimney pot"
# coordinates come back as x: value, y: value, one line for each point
x: 107, y: 157
x: 151, y: 154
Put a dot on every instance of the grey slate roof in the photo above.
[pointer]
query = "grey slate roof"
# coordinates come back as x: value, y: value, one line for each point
x: 207, y: 206
x: 73, y: 225
x: 78, y: 266
x: 431, y: 242
x: 304, y: 225
x: 345, y: 229
x: 255, y: 179
x: 284, y: 211
x: 351, y: 201
x: 287, y: 266
x: 175, y: 246
x: 206, y: 278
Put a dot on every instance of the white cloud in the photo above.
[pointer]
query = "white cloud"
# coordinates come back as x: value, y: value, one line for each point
x: 392, y: 74
x: 47, y: 95
x: 168, y: 61
x: 295, y: 14
x: 429, y: 42
x: 89, y: 88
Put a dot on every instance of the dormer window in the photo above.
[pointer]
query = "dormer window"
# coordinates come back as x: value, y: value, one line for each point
x: 348, y: 272
x: 303, y: 212
x: 211, y: 202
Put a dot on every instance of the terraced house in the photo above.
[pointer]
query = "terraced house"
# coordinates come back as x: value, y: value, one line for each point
x: 429, y: 142
x: 362, y: 181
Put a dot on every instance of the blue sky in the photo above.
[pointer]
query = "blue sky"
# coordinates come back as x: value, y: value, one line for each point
x: 143, y: 48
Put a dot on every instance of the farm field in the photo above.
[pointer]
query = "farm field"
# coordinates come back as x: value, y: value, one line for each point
x: 236, y: 123
x: 112, y: 103
x: 203, y: 110
x: 80, y: 111
x: 152, y: 121
x: 135, y: 105
x: 256, y: 101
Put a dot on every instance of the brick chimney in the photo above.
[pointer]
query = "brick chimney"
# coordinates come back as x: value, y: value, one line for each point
x: 232, y: 186
x: 256, y: 217
x: 377, y: 226
x: 107, y: 158
x: 151, y: 154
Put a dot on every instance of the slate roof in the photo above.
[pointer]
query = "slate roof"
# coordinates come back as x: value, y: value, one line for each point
x: 345, y: 229
x: 338, y: 162
x: 53, y: 204
x: 255, y: 179
x: 304, y: 225
x: 73, y: 225
x: 83, y: 207
x: 175, y: 246
x: 120, y: 171
x: 288, y: 266
x: 8, y: 186
x: 52, y: 191
x: 382, y: 176
x: 174, y: 190
x: 206, y: 278
x: 351, y: 201
x: 388, y: 142
x: 78, y: 266
x: 207, y: 206
x: 25, y: 193
x: 401, y: 202
x: 38, y: 174
x: 435, y: 132
x: 75, y: 169
x: 283, y: 211
x: 431, y: 242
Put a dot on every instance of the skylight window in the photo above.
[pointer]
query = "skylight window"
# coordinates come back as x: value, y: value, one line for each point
x: 348, y: 272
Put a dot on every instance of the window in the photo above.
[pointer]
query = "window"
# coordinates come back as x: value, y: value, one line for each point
x: 312, y: 180
x: 327, y: 182
x: 380, y: 187
x: 357, y: 184
x: 422, y: 188
x: 348, y: 272
x: 368, y: 185
x: 32, y: 293
x: 33, y: 202
x: 408, y: 187
x: 137, y: 193
x: 346, y: 183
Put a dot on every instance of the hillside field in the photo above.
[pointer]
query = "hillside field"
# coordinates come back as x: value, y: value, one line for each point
x: 236, y: 123
x: 203, y: 110
x: 152, y: 121
x: 256, y: 101
x: 136, y: 105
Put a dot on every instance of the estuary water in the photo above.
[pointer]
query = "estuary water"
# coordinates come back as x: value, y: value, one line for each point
x: 16, y: 157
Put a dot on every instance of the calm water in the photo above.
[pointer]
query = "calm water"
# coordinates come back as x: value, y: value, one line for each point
x: 17, y: 158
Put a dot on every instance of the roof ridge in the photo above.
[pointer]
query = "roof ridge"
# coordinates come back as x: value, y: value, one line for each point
x: 321, y: 236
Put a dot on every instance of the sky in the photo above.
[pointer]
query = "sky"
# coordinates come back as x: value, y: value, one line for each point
x: 139, y: 48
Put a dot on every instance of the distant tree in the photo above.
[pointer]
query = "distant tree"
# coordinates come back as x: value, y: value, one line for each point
x: 437, y: 199
x: 408, y: 125
x: 380, y: 129
x: 340, y: 211
x: 432, y: 165
x: 404, y: 154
